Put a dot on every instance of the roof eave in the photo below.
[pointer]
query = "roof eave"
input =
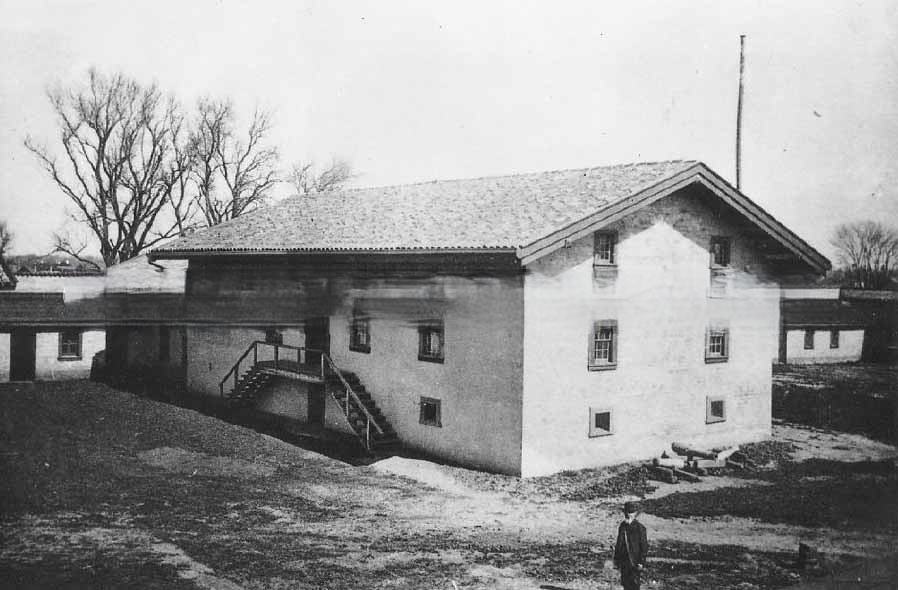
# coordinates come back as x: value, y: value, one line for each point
x: 186, y: 254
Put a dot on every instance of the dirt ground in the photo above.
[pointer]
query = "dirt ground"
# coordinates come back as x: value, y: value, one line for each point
x: 105, y: 489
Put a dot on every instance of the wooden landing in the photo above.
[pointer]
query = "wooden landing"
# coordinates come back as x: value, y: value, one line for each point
x: 292, y: 370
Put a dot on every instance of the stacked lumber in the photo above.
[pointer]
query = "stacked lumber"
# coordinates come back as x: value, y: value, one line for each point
x: 687, y: 463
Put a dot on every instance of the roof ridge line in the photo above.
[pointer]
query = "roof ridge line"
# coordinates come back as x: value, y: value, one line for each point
x: 510, y: 175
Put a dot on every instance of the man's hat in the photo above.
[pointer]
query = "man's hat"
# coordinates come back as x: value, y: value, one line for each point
x: 631, y: 507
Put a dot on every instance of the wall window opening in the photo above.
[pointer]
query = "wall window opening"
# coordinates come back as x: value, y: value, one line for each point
x: 431, y: 343
x: 599, y: 422
x: 70, y: 344
x: 603, y: 346
x: 430, y: 412
x: 715, y: 410
x: 834, y: 339
x: 360, y: 335
x: 717, y: 345
x: 809, y: 339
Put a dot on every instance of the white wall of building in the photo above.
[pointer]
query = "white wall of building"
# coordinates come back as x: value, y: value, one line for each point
x: 48, y: 365
x: 4, y: 356
x: 660, y: 299
x: 851, y: 346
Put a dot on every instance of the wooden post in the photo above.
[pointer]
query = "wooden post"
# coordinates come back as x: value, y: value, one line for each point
x: 347, y: 402
x: 236, y: 373
x: 255, y: 353
x: 368, y: 434
x: 276, y: 354
x: 739, y: 114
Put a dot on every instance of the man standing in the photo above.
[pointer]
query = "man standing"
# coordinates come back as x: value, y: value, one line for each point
x: 631, y: 548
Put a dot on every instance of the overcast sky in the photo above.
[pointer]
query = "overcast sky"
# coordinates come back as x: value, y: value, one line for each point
x: 414, y: 91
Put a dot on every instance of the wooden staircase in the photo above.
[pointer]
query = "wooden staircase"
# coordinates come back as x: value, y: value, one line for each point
x: 314, y: 366
x: 362, y: 413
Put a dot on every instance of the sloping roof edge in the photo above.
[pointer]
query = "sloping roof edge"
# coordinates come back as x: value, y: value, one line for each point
x: 699, y: 172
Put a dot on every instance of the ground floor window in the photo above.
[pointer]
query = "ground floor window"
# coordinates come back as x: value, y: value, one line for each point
x: 360, y: 335
x: 70, y: 345
x: 599, y: 422
x: 431, y: 412
x: 809, y: 340
x: 274, y: 336
x: 430, y: 342
x: 834, y: 339
x: 715, y: 410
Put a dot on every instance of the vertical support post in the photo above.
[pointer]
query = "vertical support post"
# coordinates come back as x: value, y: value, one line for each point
x: 236, y: 375
x: 255, y: 353
x: 322, y: 364
x: 347, y: 402
x: 298, y: 358
x: 368, y: 434
x: 276, y: 354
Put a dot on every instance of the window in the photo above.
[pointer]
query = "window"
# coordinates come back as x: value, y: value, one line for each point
x: 834, y: 339
x: 603, y: 249
x: 599, y: 422
x: 717, y: 345
x: 274, y: 336
x: 430, y: 412
x: 720, y: 251
x: 603, y: 346
x: 360, y: 335
x: 715, y: 410
x: 70, y: 345
x: 430, y: 343
x: 809, y: 340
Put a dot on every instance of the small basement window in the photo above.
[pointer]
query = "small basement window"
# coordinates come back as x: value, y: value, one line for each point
x: 603, y: 249
x: 430, y: 413
x: 603, y: 346
x: 70, y: 345
x: 717, y: 345
x: 809, y: 339
x: 715, y: 410
x: 834, y: 339
x: 599, y: 422
x: 360, y: 335
x: 430, y: 343
x: 720, y: 251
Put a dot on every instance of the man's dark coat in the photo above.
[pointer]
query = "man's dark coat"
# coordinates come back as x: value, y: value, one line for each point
x: 632, y: 545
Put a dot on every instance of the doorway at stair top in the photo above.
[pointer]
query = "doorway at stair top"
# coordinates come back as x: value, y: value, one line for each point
x: 317, y: 331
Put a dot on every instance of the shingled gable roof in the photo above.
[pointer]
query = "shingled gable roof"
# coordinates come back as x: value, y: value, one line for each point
x: 528, y: 214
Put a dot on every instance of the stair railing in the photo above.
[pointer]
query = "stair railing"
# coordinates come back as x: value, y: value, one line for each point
x: 301, y: 353
x: 350, y: 394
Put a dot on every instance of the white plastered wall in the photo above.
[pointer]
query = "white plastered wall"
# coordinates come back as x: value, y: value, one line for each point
x: 660, y: 299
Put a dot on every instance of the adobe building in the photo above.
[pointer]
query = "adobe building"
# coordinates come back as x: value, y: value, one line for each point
x: 51, y: 325
x: 522, y: 324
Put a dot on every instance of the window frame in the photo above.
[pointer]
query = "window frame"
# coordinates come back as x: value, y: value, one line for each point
x: 603, y: 365
x: 727, y: 243
x: 809, y: 335
x: 709, y: 404
x: 834, y: 338
x: 77, y: 355
x: 596, y: 431
x: 435, y: 327
x: 438, y: 410
x: 611, y: 242
x: 710, y: 333
x: 355, y: 344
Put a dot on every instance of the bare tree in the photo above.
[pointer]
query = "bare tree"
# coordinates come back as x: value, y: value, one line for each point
x: 120, y: 165
x: 5, y: 238
x: 869, y: 252
x: 233, y: 174
x: 307, y: 179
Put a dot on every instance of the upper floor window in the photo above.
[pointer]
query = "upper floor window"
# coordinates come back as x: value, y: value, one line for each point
x: 603, y: 346
x: 717, y: 345
x: 70, y: 344
x: 720, y: 251
x: 360, y: 335
x: 603, y: 249
x: 430, y: 342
